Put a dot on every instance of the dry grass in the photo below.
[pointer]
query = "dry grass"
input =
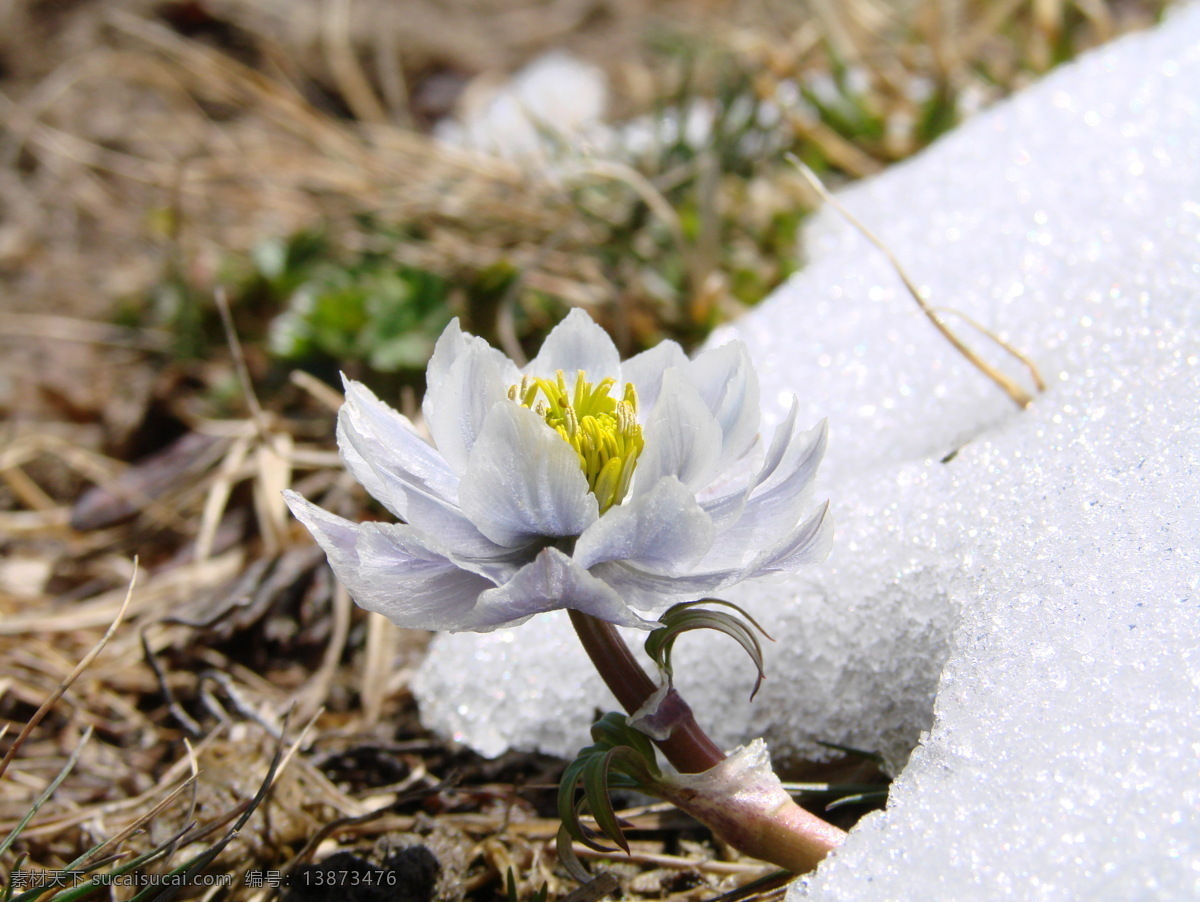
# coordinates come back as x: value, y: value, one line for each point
x: 139, y: 144
x: 218, y: 651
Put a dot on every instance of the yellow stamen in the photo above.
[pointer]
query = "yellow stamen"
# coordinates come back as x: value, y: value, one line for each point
x: 603, y: 431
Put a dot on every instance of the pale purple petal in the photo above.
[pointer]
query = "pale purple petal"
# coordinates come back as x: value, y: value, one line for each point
x: 393, y: 569
x: 809, y: 543
x: 793, y: 450
x: 682, y: 438
x: 337, y: 535
x: 577, y: 343
x: 407, y: 475
x: 523, y: 481
x: 646, y: 590
x: 421, y: 509
x: 385, y: 487
x: 466, y: 377
x: 645, y: 371
x: 785, y: 492
x: 550, y: 582
x: 724, y: 498
x: 462, y: 539
x: 726, y: 380
x: 649, y: 591
x: 775, y: 506
x: 387, y: 440
x: 663, y: 529
x: 726, y: 509
x: 451, y: 344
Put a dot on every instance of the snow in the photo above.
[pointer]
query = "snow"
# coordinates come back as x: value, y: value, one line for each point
x: 1025, y: 613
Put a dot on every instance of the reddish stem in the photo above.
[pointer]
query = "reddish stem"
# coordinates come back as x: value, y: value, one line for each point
x: 688, y: 748
x: 765, y: 822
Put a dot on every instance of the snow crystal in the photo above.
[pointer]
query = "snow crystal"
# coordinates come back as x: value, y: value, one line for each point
x: 1023, y: 586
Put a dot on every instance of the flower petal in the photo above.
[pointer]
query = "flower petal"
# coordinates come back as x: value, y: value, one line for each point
x: 549, y: 582
x: 462, y: 539
x: 645, y: 371
x: 387, y: 440
x: 780, y: 441
x: 663, y: 529
x: 775, y: 505
x: 649, y: 591
x: 383, y: 452
x: 466, y: 376
x: 646, y: 590
x: 451, y: 344
x: 577, y: 343
x: 726, y: 380
x: 808, y: 543
x: 726, y: 507
x: 523, y: 481
x: 682, y: 438
x: 417, y: 507
x: 393, y: 569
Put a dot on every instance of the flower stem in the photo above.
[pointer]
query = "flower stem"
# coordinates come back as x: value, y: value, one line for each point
x: 762, y: 821
x: 688, y: 748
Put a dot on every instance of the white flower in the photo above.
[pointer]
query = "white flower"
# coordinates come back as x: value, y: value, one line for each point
x: 542, y: 490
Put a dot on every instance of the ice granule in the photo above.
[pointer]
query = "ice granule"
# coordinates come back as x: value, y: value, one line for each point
x: 1032, y: 603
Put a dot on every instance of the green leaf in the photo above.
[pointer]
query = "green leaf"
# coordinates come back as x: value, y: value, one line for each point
x: 613, y: 731
x: 567, y: 811
x: 595, y: 793
x: 687, y: 616
x: 620, y: 757
x: 568, y: 858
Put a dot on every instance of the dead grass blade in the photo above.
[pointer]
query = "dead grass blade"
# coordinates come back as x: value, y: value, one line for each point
x: 316, y: 692
x: 47, y: 793
x: 65, y: 684
x: 218, y: 496
x: 69, y: 328
x: 352, y: 82
x: 102, y: 608
x: 373, y: 688
x: 1008, y: 385
x: 318, y: 389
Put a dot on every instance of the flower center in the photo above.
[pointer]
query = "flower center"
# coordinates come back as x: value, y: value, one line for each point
x: 603, y: 431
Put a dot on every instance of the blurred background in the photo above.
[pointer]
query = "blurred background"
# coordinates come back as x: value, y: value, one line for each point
x: 355, y: 172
